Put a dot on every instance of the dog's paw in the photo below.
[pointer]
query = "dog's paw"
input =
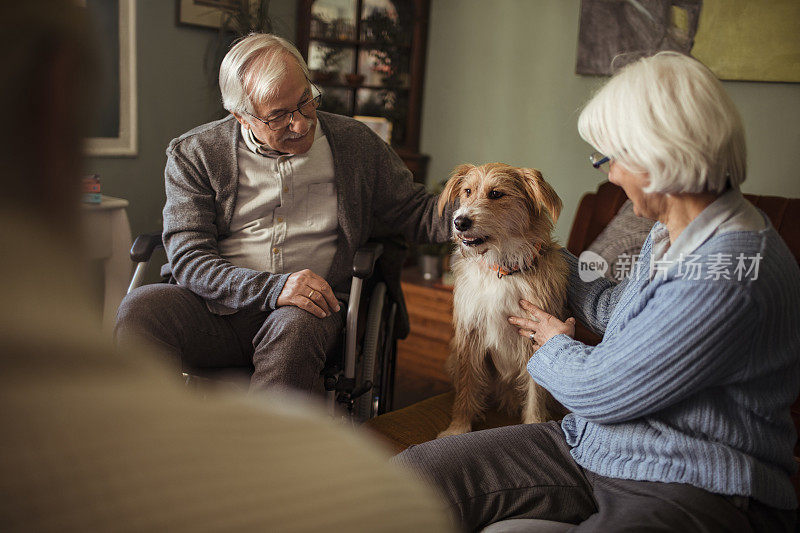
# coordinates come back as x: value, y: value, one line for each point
x: 454, y: 429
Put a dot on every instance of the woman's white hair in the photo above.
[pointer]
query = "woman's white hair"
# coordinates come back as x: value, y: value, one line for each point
x: 669, y: 116
x: 252, y: 68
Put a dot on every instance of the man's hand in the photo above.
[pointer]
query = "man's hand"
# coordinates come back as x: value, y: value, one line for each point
x: 541, y: 327
x: 308, y: 291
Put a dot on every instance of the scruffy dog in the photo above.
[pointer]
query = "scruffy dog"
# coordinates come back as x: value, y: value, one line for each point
x: 503, y: 226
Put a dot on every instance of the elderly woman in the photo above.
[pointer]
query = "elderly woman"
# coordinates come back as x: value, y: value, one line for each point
x: 680, y: 416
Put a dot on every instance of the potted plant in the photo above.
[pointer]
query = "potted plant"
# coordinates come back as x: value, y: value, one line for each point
x: 319, y: 26
x: 390, y: 33
x: 431, y: 256
x: 354, y: 79
x: 331, y: 55
x: 431, y: 259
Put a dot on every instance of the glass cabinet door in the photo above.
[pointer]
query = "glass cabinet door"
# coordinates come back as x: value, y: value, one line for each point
x: 334, y: 19
x: 358, y: 54
x: 368, y: 57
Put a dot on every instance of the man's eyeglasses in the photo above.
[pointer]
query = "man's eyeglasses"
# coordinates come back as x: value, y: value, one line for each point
x: 600, y: 162
x: 281, y: 121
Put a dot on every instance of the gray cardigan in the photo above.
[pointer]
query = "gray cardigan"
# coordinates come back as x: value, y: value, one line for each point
x: 201, y: 180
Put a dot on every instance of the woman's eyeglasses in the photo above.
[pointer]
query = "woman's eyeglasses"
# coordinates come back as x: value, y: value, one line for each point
x: 600, y: 162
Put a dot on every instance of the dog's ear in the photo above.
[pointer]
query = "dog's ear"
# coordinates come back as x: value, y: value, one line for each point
x: 541, y: 193
x: 453, y: 186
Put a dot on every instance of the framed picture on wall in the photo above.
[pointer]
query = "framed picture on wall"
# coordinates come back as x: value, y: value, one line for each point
x: 710, y: 30
x: 113, y: 131
x: 206, y: 13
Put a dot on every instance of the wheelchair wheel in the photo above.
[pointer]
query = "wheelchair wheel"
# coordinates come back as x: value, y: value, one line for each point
x: 389, y: 360
x: 372, y: 365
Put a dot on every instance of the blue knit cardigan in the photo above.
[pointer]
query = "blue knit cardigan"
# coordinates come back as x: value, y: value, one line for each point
x: 694, y: 378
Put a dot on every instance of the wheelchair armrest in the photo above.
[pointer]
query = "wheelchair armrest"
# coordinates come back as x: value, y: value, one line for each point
x: 144, y: 245
x: 364, y: 260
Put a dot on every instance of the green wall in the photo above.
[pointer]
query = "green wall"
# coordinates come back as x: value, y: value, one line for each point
x: 501, y: 86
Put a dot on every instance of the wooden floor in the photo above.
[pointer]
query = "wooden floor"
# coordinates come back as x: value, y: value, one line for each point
x: 410, y: 391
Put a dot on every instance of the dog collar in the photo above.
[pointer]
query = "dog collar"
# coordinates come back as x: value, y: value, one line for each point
x: 503, y: 271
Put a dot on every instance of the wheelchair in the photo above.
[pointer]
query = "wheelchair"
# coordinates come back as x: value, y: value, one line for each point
x: 359, y: 376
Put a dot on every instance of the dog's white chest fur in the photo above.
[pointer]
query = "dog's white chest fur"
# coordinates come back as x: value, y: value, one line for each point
x: 484, y: 303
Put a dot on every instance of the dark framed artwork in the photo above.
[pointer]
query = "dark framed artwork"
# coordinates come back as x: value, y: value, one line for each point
x: 736, y: 39
x: 113, y: 131
x: 205, y: 13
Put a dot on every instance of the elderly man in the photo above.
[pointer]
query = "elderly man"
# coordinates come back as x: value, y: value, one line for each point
x: 265, y: 210
x: 98, y: 440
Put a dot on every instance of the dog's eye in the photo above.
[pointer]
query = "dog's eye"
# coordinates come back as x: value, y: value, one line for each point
x: 494, y: 194
x: 467, y: 192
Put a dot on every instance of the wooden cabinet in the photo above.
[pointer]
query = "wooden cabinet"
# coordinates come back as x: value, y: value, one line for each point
x: 368, y: 59
x: 421, y: 356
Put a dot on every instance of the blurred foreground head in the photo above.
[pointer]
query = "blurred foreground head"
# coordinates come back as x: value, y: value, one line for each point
x: 45, y: 53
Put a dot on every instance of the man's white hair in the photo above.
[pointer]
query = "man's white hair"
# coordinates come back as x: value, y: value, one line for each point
x: 669, y: 116
x: 252, y: 68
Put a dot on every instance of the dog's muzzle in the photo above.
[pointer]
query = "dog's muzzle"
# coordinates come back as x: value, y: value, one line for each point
x: 463, y: 223
x: 473, y: 242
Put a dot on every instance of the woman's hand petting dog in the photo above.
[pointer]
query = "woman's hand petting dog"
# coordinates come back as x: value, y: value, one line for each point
x: 541, y: 327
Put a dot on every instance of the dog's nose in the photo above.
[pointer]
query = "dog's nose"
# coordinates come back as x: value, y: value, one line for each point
x: 462, y: 223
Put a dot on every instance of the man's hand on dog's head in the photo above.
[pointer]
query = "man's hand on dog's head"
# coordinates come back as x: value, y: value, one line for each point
x: 308, y: 291
x: 541, y: 326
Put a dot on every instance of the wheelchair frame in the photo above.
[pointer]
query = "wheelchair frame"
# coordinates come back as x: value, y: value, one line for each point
x: 363, y: 388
